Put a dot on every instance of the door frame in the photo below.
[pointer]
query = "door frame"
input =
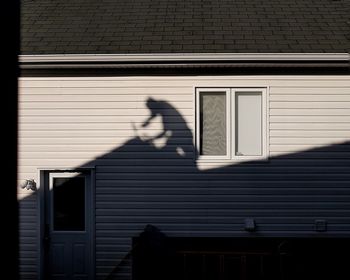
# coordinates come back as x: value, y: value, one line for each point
x: 43, y: 181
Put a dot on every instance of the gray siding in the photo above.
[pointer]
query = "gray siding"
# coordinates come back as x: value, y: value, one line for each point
x: 74, y: 122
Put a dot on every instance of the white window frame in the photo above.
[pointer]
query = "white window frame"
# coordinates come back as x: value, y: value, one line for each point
x: 231, y: 124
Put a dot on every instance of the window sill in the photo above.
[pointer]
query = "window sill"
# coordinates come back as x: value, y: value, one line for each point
x: 246, y: 159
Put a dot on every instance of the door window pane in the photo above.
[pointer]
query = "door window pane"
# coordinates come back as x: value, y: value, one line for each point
x: 213, y: 123
x: 248, y: 123
x: 69, y: 204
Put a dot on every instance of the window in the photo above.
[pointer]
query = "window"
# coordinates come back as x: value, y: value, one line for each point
x: 68, y: 203
x: 231, y: 123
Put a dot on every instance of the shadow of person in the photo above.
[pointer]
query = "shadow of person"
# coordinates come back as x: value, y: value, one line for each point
x: 172, y: 137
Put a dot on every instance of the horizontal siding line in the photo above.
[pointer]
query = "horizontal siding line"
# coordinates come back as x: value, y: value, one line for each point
x: 58, y: 163
x: 306, y: 102
x: 319, y: 137
x: 316, y: 146
x: 297, y: 219
x: 102, y: 129
x: 119, y: 156
x: 263, y: 217
x: 125, y: 131
x: 278, y: 86
x: 309, y: 119
x: 288, y: 150
x: 116, y: 94
x: 285, y: 134
x: 95, y: 115
x: 245, y: 210
x: 290, y: 106
x: 320, y: 124
x: 27, y: 148
x: 116, y: 85
x: 292, y: 86
x: 200, y: 224
x: 288, y: 101
x: 219, y: 204
x: 99, y: 101
x: 310, y: 128
x: 240, y: 168
x: 234, y: 174
x: 233, y: 232
x: 311, y: 91
x: 208, y: 201
x: 83, y: 127
x: 299, y: 194
x: 49, y: 123
x: 306, y: 95
x: 220, y: 177
x: 208, y: 184
x: 255, y: 192
x: 311, y: 114
x: 170, y: 94
x: 265, y: 172
x: 315, y: 89
x: 341, y: 138
x: 91, y: 137
x: 210, y: 77
x: 199, y: 181
x: 120, y: 190
x: 218, y: 81
x: 93, y: 106
x: 312, y: 155
x: 309, y: 141
x: 259, y: 202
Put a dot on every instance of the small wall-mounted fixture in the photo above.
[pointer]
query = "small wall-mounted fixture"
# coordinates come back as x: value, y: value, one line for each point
x: 249, y: 224
x: 29, y: 185
x: 320, y: 225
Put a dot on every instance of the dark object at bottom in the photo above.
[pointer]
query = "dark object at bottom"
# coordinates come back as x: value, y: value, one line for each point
x: 159, y: 257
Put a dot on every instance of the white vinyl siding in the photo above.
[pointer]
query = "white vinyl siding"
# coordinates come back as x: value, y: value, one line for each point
x: 65, y: 123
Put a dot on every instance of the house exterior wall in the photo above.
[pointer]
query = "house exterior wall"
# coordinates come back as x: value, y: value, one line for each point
x: 75, y: 122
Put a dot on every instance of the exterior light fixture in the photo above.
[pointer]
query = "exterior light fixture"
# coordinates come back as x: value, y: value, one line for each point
x: 320, y: 225
x: 249, y: 224
x: 29, y: 185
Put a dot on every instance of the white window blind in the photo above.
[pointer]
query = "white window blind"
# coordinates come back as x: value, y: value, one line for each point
x: 248, y: 119
x: 213, y: 123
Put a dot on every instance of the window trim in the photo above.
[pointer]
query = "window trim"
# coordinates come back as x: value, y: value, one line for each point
x: 231, y: 124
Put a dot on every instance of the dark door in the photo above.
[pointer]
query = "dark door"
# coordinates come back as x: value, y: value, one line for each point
x: 68, y: 236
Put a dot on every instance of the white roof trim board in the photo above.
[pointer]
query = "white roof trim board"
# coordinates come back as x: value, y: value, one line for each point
x: 174, y: 57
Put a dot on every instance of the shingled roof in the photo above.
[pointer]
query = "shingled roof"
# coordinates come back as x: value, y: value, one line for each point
x: 184, y: 26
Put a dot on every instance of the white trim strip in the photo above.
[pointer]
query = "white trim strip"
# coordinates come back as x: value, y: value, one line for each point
x: 184, y: 57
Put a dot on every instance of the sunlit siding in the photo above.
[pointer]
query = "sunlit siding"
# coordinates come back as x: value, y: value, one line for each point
x: 72, y: 122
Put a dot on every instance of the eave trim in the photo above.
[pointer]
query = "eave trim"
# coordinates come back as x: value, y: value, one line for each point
x: 176, y: 57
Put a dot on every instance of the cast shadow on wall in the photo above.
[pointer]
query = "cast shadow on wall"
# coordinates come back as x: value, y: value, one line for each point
x: 162, y: 187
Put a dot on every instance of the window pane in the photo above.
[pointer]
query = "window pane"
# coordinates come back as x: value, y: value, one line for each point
x: 248, y: 124
x: 213, y: 123
x: 69, y: 204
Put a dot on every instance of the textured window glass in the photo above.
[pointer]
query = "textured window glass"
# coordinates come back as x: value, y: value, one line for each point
x: 248, y: 124
x: 69, y: 204
x: 213, y: 123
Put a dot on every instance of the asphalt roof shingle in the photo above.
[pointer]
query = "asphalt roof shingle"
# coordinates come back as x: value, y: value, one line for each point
x: 184, y: 26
